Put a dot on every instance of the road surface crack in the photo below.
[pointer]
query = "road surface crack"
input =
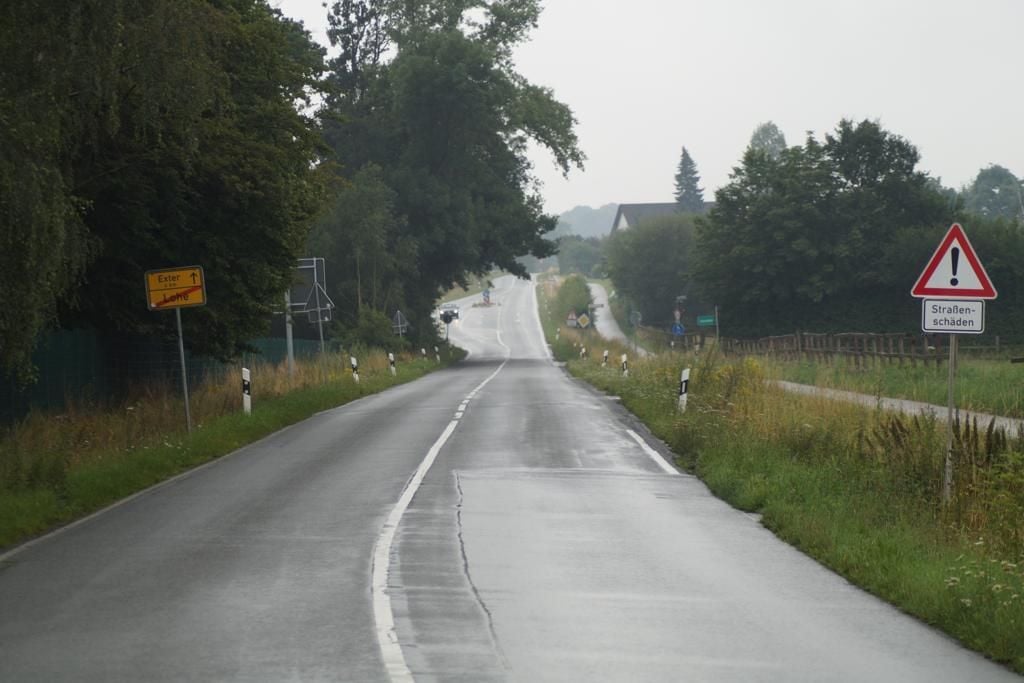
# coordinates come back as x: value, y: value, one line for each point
x: 469, y: 578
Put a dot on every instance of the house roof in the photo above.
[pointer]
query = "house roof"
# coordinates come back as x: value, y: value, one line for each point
x: 635, y: 213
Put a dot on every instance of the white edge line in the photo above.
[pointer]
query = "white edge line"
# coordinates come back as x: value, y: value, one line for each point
x: 384, y: 617
x: 655, y: 455
x: 536, y: 317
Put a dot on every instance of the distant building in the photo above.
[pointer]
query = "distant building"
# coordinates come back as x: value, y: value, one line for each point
x: 629, y: 215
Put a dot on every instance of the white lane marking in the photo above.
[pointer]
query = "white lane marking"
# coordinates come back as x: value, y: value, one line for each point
x: 655, y: 455
x: 387, y: 637
x: 459, y: 414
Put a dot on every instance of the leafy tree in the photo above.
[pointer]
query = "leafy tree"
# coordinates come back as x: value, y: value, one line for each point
x: 224, y: 177
x: 808, y: 239
x: 362, y: 240
x: 573, y: 295
x: 447, y: 120
x: 579, y: 255
x: 767, y: 138
x: 689, y: 194
x: 995, y: 193
x: 652, y: 263
x: 141, y: 134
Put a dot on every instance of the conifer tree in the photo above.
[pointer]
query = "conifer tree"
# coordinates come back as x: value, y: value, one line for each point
x: 689, y: 194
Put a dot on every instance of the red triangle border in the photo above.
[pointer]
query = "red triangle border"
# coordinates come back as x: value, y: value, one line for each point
x: 987, y: 291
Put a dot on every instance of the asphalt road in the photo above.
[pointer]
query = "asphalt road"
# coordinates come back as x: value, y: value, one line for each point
x: 493, y: 521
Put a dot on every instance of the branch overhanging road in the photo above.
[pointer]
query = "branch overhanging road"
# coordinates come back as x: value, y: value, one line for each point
x: 494, y: 521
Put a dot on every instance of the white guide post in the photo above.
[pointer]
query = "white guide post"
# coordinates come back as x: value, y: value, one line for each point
x: 684, y: 386
x: 246, y: 391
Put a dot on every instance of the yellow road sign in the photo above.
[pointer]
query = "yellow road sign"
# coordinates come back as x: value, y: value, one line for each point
x: 175, y: 288
x: 583, y: 320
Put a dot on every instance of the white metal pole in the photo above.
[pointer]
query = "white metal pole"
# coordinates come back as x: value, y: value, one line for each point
x: 319, y: 313
x: 288, y: 332
x: 947, y: 479
x: 184, y: 373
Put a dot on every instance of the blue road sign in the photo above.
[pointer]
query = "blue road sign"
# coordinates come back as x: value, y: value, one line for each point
x: 678, y: 329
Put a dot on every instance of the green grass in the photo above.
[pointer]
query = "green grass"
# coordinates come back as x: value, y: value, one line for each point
x: 854, y: 488
x: 69, y: 491
x: 989, y: 386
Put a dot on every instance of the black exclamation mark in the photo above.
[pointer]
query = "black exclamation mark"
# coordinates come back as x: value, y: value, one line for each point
x: 955, y: 254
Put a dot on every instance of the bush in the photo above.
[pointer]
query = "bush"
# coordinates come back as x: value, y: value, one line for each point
x: 573, y: 295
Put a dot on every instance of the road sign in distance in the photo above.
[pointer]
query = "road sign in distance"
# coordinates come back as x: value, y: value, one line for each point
x: 678, y: 329
x: 583, y: 321
x: 956, y: 316
x: 705, y: 321
x: 175, y: 288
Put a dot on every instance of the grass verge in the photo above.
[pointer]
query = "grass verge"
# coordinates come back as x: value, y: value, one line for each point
x: 854, y: 488
x: 55, y: 469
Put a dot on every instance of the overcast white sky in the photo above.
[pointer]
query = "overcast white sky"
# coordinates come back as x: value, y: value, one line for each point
x: 646, y: 77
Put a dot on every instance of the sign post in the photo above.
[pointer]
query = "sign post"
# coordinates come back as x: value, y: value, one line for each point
x: 953, y: 288
x: 177, y: 288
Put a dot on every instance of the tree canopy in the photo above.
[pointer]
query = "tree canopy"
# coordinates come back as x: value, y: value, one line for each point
x: 995, y: 193
x: 827, y: 232
x: 768, y: 139
x: 141, y: 134
x: 446, y: 120
x: 652, y: 263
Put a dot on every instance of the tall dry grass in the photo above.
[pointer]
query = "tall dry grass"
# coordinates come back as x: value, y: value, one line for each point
x: 39, y: 450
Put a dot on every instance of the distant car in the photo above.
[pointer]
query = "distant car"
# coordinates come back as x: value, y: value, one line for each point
x: 452, y: 309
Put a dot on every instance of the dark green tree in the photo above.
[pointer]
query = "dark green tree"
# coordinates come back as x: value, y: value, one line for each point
x: 579, y: 255
x: 689, y: 194
x: 652, y: 263
x: 809, y: 239
x: 220, y: 174
x: 447, y: 120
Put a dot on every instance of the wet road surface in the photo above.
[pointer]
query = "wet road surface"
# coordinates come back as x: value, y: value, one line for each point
x: 494, y: 521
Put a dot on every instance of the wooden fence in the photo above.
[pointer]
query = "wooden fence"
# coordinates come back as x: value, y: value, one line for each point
x: 861, y: 349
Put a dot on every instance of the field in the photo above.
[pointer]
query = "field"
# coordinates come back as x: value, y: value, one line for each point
x: 989, y: 386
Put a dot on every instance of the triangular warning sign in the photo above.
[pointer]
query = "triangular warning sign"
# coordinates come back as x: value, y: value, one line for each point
x: 954, y: 271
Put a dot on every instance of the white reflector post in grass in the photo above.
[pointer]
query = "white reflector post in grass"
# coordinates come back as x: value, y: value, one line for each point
x: 355, y: 368
x: 625, y: 366
x: 391, y: 363
x: 604, y: 359
x: 684, y: 387
x: 246, y: 391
